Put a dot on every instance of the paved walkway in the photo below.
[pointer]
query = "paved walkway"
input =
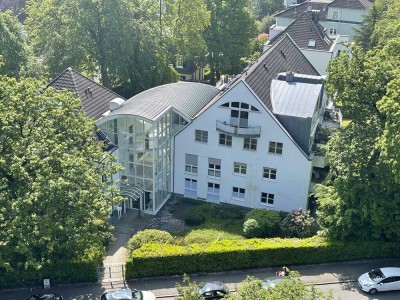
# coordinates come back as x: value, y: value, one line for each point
x: 117, y: 253
x: 126, y: 226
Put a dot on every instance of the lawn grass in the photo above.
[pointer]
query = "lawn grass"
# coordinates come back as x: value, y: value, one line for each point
x: 345, y: 122
x: 221, y: 222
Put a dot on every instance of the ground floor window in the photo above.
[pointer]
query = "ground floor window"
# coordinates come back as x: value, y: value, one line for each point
x: 191, y: 187
x: 238, y: 193
x: 267, y: 198
x: 213, y: 191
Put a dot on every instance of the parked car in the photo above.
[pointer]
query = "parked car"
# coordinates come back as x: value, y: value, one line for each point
x: 46, y: 296
x: 214, y: 290
x: 128, y: 294
x: 379, y: 280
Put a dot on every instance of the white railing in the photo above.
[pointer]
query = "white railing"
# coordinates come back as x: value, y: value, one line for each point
x: 250, y: 131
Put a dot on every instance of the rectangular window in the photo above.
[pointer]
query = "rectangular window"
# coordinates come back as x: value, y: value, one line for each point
x: 275, y: 147
x: 214, y: 167
x: 239, y: 168
x: 249, y: 143
x: 213, y: 191
x: 179, y: 61
x: 191, y: 162
x: 225, y: 139
x: 191, y: 187
x: 201, y: 136
x: 335, y: 14
x: 269, y: 173
x: 332, y: 31
x: 267, y: 198
x: 238, y: 193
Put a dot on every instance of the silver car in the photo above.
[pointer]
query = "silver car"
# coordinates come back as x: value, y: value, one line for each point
x: 379, y: 280
x: 128, y: 294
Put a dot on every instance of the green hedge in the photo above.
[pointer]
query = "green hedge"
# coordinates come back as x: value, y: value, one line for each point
x: 159, y: 259
x: 59, y: 272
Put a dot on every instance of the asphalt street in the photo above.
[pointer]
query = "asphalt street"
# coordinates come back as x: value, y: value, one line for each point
x: 338, y: 277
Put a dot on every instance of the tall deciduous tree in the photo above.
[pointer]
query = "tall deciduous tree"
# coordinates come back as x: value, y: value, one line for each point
x: 13, y: 46
x: 228, y: 37
x: 52, y: 204
x: 364, y: 199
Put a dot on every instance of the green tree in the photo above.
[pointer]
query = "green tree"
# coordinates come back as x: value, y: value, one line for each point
x: 13, y: 47
x: 228, y: 36
x: 263, y: 8
x: 364, y: 199
x: 52, y: 204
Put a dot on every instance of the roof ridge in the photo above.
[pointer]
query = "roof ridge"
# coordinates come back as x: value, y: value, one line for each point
x: 291, y: 7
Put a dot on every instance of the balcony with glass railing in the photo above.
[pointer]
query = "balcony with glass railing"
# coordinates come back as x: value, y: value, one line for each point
x: 249, y: 131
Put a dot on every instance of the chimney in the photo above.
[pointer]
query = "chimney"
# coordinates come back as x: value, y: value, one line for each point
x: 289, y: 76
x: 315, y: 15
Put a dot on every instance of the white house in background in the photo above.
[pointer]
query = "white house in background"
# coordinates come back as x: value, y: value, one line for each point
x: 310, y: 36
x: 338, y: 17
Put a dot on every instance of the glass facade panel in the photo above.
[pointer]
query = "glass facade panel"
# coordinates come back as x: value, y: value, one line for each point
x: 144, y: 150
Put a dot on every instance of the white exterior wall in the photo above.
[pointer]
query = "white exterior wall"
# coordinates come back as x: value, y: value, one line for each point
x: 319, y: 59
x: 293, y: 169
x: 283, y: 22
x: 345, y: 14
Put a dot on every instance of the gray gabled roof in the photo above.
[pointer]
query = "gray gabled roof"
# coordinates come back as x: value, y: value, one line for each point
x: 186, y: 97
x: 352, y: 4
x: 283, y: 56
x: 95, y: 98
x: 302, y: 31
x: 293, y: 12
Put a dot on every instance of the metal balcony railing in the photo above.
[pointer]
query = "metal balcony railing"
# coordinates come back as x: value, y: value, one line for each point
x: 250, y: 131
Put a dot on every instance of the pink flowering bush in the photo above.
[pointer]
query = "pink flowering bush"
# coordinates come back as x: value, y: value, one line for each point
x: 299, y: 224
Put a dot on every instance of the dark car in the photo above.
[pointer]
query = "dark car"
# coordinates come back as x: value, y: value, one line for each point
x: 46, y: 296
x: 214, y: 290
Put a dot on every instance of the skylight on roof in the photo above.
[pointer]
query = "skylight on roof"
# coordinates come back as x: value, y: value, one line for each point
x: 311, y: 43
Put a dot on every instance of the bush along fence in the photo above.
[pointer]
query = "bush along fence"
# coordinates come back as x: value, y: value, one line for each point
x: 58, y: 272
x: 168, y: 259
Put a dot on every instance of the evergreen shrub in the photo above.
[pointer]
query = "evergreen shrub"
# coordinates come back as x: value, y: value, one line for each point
x: 149, y: 236
x: 168, y: 259
x: 268, y: 221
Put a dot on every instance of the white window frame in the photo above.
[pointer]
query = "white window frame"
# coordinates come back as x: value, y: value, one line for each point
x: 227, y: 139
x: 250, y: 144
x: 201, y: 136
x: 332, y: 31
x: 213, y: 191
x: 267, y: 199
x: 191, y: 187
x: 269, y: 173
x: 191, y: 167
x: 275, y: 148
x: 238, y: 193
x: 214, y: 168
x: 335, y: 15
x: 239, y: 168
x: 179, y: 61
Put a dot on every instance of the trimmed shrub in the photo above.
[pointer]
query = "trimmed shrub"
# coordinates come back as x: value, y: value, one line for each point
x: 227, y: 212
x: 148, y: 236
x: 299, y: 224
x: 251, y: 229
x: 197, y: 215
x: 168, y: 259
x: 268, y: 221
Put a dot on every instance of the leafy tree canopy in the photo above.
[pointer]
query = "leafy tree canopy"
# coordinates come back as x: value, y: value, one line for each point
x: 228, y: 36
x: 52, y: 205
x: 17, y: 57
x: 364, y: 199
